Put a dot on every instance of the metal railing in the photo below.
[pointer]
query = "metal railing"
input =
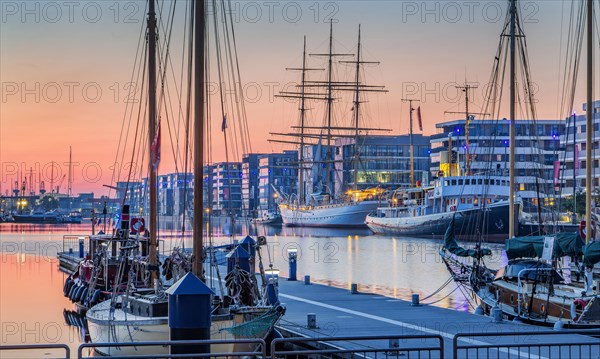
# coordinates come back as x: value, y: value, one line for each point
x: 527, y: 344
x: 36, y: 347
x: 393, y: 346
x: 250, y: 347
x: 70, y: 244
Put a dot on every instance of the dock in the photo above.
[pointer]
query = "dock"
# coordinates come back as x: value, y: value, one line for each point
x: 414, y: 331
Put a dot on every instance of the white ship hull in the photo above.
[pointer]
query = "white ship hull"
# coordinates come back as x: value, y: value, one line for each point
x: 334, y: 215
x: 106, y: 326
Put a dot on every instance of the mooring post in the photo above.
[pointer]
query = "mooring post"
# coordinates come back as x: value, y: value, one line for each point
x: 293, y: 259
x: 189, y: 314
x: 240, y: 257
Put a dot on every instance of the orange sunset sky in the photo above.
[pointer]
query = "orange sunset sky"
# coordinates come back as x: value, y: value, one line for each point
x: 64, y: 67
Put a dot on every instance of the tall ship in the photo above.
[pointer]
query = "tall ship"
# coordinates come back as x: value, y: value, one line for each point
x: 317, y: 204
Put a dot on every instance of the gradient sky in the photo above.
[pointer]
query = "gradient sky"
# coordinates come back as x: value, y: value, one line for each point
x: 55, y: 57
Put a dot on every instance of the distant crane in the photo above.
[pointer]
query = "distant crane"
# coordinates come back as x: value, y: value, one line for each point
x: 60, y: 184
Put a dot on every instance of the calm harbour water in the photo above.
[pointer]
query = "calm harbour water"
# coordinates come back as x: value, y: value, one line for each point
x: 32, y: 306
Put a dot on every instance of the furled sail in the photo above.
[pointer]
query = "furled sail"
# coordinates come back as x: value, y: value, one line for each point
x: 565, y: 244
x: 591, y: 253
x: 453, y: 247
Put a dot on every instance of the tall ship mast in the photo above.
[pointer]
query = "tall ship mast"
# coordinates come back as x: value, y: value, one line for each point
x: 319, y: 205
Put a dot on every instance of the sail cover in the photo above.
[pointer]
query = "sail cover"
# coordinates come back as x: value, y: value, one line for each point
x: 453, y: 247
x: 565, y: 244
x: 591, y: 253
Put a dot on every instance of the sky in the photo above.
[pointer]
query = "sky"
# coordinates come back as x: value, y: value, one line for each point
x: 66, y: 68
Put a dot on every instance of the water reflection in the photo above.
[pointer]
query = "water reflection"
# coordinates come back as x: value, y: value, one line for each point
x: 397, y: 267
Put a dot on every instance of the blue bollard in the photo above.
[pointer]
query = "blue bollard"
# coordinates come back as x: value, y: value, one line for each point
x: 189, y: 314
x: 81, y: 252
x: 249, y: 245
x: 238, y: 256
x: 293, y: 259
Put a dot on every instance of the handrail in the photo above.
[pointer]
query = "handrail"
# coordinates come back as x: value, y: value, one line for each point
x: 519, y: 284
x: 258, y: 342
x: 38, y: 346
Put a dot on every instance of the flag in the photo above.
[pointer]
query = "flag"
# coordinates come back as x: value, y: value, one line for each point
x: 556, y: 172
x: 576, y: 163
x: 224, y: 124
x: 155, y: 148
x: 419, y: 118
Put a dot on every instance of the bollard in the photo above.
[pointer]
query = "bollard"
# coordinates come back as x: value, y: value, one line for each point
x: 479, y: 310
x: 497, y: 314
x: 311, y: 321
x: 189, y: 314
x: 81, y: 253
x: 415, y: 300
x: 238, y: 256
x: 306, y: 280
x: 293, y: 256
x: 249, y: 245
x: 354, y: 288
x: 394, y: 345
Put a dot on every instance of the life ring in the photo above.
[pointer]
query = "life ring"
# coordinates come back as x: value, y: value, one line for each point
x: 582, y: 233
x: 578, y: 305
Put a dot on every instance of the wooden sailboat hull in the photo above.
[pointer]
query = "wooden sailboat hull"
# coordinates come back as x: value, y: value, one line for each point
x: 538, y: 309
x: 343, y: 215
x: 116, y: 326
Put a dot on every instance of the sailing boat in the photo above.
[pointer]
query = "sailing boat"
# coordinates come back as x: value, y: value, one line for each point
x: 530, y: 288
x: 319, y: 207
x: 142, y: 316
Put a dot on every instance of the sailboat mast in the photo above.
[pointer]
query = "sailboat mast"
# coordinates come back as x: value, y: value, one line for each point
x: 329, y: 106
x: 511, y: 197
x: 152, y: 178
x: 589, y: 121
x: 574, y: 219
x: 199, y: 39
x: 410, y: 139
x: 467, y: 125
x: 302, y: 124
x: 69, y: 181
x: 356, y: 114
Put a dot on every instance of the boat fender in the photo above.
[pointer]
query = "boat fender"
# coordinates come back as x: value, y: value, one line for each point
x: 84, y: 293
x: 74, y: 293
x: 95, y: 298
x: 78, y: 293
x: 72, y: 290
x: 67, y: 286
x: 578, y: 305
